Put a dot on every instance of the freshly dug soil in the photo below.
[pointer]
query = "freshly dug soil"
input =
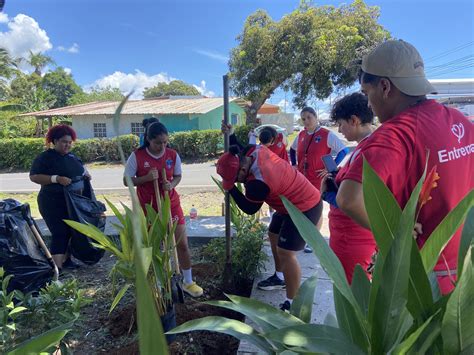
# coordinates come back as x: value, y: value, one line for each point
x: 117, y: 333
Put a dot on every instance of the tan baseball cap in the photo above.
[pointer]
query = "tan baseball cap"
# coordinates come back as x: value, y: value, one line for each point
x: 402, y: 64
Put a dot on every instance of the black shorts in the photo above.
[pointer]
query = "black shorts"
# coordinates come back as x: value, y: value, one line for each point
x: 288, y: 236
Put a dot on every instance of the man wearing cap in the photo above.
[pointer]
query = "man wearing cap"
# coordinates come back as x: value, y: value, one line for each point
x: 392, y: 76
x: 267, y: 177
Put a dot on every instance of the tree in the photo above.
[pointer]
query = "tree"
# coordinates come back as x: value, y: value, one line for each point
x: 97, y: 94
x: 60, y: 86
x: 175, y: 87
x: 311, y: 51
x: 8, y: 67
x: 39, y: 62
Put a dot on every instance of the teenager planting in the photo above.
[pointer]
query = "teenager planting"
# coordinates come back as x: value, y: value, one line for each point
x: 143, y: 167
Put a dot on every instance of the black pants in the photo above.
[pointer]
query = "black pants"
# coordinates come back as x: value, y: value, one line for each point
x: 53, y: 209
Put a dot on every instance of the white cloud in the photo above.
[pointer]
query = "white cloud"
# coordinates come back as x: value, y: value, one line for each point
x: 23, y: 35
x: 203, y: 90
x: 127, y: 82
x: 213, y: 55
x: 68, y: 70
x: 3, y: 17
x: 73, y: 49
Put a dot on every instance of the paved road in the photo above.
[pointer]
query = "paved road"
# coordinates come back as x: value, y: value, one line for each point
x: 195, y: 177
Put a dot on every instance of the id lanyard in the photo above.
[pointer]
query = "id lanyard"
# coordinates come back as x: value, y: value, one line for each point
x: 305, y: 158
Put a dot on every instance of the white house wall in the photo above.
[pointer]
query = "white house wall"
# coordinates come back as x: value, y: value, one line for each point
x: 84, y: 125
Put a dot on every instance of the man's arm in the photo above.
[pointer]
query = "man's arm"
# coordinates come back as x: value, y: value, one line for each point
x: 350, y: 200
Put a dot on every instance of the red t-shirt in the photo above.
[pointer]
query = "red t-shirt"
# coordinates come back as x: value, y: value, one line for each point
x: 279, y: 148
x: 397, y: 152
x: 282, y: 180
x: 311, y: 147
x: 338, y: 220
x: 145, y: 162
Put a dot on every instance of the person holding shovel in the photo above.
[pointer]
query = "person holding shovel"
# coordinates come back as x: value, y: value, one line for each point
x: 267, y: 177
x: 144, y: 166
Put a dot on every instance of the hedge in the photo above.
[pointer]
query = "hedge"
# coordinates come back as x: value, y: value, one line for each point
x: 19, y: 153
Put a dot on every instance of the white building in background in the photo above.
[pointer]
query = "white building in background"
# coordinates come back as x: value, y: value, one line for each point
x: 457, y: 93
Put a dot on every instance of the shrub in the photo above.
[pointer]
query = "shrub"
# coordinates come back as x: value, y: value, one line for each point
x: 242, y: 134
x: 193, y: 144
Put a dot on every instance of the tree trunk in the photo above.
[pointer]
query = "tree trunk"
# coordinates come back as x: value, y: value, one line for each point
x: 251, y: 112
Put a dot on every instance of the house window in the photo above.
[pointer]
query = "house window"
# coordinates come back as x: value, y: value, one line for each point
x: 234, y: 118
x: 137, y: 128
x: 100, y: 131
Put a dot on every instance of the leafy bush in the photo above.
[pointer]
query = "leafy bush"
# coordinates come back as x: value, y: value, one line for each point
x: 192, y: 144
x: 51, y: 314
x: 19, y: 153
x: 248, y: 259
x: 400, y: 312
x: 242, y: 134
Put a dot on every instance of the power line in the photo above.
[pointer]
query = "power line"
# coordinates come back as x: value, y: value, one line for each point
x: 449, y: 51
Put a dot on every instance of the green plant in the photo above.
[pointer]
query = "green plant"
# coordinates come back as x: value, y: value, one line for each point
x: 401, y: 311
x: 248, y: 259
x: 37, y: 323
x: 156, y: 241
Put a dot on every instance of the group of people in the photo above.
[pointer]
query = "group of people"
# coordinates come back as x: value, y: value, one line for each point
x: 57, y: 167
x: 414, y: 130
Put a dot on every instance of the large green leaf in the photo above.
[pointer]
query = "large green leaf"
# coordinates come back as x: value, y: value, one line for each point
x: 150, y: 331
x: 467, y: 237
x: 94, y: 233
x: 389, y: 316
x: 444, y: 231
x: 361, y: 288
x: 329, y: 261
x: 458, y: 321
x: 232, y: 327
x: 315, y: 338
x: 302, y: 305
x: 420, y: 295
x: 44, y: 341
x: 408, y: 344
x: 347, y: 321
x: 382, y: 208
x: 258, y: 311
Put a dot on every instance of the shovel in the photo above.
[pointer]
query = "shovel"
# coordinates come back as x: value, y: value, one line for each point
x: 25, y: 211
x: 177, y: 293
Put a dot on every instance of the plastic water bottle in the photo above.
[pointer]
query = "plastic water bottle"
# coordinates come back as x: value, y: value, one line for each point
x: 193, y: 218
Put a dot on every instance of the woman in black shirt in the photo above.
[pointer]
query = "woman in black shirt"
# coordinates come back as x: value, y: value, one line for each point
x: 53, y: 169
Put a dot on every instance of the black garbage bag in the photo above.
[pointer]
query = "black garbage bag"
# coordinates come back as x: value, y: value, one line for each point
x: 20, y: 255
x: 83, y: 207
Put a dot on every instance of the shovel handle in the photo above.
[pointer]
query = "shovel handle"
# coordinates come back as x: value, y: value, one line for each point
x: 170, y: 228
x: 45, y: 249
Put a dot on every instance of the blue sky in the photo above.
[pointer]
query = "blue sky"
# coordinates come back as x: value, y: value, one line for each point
x: 139, y: 43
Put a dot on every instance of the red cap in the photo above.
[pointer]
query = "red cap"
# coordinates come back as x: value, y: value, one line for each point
x: 228, y: 168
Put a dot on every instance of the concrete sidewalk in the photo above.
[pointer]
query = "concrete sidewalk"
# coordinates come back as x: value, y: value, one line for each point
x: 323, y: 299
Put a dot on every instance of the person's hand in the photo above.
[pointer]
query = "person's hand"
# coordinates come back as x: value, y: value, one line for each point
x: 417, y: 230
x: 322, y: 173
x: 63, y: 180
x: 166, y: 184
x: 87, y: 175
x: 226, y: 128
x: 152, y: 174
x: 324, y: 186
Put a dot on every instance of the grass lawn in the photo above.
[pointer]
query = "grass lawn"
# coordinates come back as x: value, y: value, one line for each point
x: 207, y: 203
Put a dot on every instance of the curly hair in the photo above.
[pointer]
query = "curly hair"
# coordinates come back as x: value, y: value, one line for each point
x: 59, y: 131
x: 353, y: 104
